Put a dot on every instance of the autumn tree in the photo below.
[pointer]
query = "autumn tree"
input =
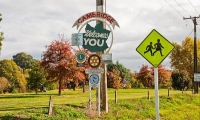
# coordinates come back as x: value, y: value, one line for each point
x: 182, y: 57
x: 58, y: 61
x: 13, y: 73
x: 113, y: 76
x: 145, y: 76
x: 164, y: 76
x: 4, y: 84
x: 124, y: 72
x: 117, y: 71
x: 23, y: 60
x: 80, y: 74
x: 36, y: 77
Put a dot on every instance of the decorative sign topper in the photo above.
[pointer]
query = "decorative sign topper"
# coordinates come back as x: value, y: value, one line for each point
x: 100, y: 15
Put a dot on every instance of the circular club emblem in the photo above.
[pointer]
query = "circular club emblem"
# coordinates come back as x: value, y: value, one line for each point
x: 94, y: 61
x: 80, y: 57
x: 94, y: 79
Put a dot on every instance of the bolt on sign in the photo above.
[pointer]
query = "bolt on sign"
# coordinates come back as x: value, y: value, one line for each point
x: 155, y: 48
x: 94, y: 39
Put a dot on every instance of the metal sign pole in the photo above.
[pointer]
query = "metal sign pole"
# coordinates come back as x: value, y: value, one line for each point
x: 156, y: 93
x: 99, y: 112
x: 90, y: 97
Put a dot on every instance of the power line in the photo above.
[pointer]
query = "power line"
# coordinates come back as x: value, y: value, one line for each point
x: 191, y: 32
x: 174, y: 8
x: 181, y: 7
x: 194, y: 7
x: 178, y: 13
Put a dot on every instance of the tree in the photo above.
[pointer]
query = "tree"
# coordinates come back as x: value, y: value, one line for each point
x: 113, y: 76
x: 164, y: 76
x: 13, y: 74
x: 4, y: 84
x: 58, y: 61
x: 124, y: 72
x: 116, y: 72
x: 180, y: 80
x: 80, y: 72
x: 145, y: 76
x: 182, y: 57
x: 23, y: 60
x: 36, y: 77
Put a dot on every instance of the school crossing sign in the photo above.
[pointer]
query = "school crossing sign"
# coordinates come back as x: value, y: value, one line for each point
x: 155, y: 48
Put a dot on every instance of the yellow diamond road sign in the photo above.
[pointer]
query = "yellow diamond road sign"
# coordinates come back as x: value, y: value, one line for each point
x: 155, y: 48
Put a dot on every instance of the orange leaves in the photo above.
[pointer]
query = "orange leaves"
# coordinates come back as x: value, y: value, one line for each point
x: 182, y: 57
x: 146, y: 76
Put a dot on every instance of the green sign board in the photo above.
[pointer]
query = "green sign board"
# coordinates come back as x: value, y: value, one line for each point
x: 155, y: 48
x: 94, y: 38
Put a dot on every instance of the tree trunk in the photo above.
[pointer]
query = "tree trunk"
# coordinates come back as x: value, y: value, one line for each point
x: 36, y: 90
x: 60, y: 87
x: 83, y: 86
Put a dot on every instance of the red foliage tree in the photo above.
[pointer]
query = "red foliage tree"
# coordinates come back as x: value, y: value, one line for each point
x: 114, y: 79
x: 145, y: 76
x: 81, y: 73
x: 164, y: 76
x: 59, y: 63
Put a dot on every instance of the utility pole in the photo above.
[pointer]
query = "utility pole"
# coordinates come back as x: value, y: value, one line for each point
x: 195, y: 83
x: 1, y: 35
x: 103, y: 83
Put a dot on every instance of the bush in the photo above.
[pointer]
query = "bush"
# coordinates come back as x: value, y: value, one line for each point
x: 50, y: 86
x: 14, y: 91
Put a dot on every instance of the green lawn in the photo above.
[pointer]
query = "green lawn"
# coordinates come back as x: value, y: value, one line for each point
x: 74, y: 105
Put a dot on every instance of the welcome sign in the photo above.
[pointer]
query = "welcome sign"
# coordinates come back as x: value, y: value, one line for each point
x: 94, y: 38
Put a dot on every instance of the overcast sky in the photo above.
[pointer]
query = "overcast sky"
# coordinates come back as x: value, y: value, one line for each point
x: 29, y: 25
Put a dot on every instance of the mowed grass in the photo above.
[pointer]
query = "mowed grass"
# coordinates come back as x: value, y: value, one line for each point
x: 131, y: 104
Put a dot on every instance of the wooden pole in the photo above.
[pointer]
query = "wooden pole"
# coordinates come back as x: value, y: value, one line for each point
x: 116, y: 96
x: 103, y: 83
x: 50, y: 106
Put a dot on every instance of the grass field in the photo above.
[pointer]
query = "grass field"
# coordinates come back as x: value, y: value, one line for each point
x: 131, y: 104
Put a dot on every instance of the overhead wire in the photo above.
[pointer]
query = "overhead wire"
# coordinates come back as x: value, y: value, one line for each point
x: 195, y: 10
x: 190, y: 32
x: 178, y: 12
x: 181, y: 7
x: 194, y: 7
x: 187, y: 12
